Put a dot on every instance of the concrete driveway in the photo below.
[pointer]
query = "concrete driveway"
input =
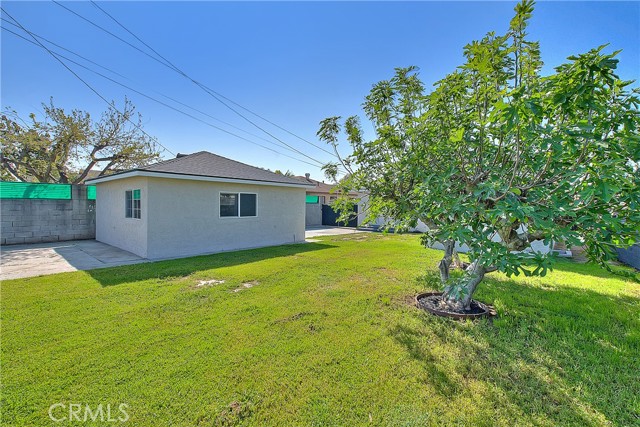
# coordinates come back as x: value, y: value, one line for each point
x: 325, y: 230
x: 38, y: 259
x: 18, y: 261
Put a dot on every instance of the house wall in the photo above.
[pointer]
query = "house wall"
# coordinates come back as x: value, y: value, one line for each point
x: 112, y: 227
x: 184, y: 218
x: 48, y: 220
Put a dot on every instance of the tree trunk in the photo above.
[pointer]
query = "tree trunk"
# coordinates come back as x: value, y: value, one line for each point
x: 459, y: 294
x: 457, y: 262
x: 445, y: 263
x: 474, y: 275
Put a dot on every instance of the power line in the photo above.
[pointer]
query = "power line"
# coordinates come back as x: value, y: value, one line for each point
x: 173, y: 67
x: 125, y: 77
x: 59, y: 47
x: 111, y: 104
x: 158, y: 101
x: 203, y: 85
x: 105, y: 30
x: 212, y: 93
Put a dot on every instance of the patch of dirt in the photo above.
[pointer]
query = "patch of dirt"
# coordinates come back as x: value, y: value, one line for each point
x: 244, y: 286
x: 211, y: 282
x: 435, y: 303
x: 406, y: 300
x: 360, y: 237
x: 234, y: 413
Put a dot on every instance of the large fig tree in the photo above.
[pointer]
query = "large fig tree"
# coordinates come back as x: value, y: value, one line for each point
x: 497, y: 156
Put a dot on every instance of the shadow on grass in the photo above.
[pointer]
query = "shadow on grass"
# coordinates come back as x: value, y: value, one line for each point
x: 564, y: 356
x: 186, y: 266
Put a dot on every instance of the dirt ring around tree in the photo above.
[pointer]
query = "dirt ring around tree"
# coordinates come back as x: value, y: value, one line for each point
x: 432, y: 302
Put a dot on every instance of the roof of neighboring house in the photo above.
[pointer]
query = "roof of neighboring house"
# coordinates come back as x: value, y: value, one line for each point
x: 93, y: 173
x: 320, y: 187
x: 206, y: 166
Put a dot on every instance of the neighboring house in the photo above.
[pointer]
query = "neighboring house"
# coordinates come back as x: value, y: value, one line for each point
x: 196, y: 204
x: 92, y: 174
x: 320, y: 194
x: 95, y: 173
x: 421, y: 227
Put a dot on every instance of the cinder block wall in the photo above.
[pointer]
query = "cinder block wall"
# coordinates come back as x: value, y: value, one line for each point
x: 313, y: 214
x: 44, y: 220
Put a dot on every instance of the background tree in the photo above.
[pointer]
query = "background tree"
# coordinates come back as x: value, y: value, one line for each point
x: 498, y: 156
x: 287, y: 173
x: 65, y: 147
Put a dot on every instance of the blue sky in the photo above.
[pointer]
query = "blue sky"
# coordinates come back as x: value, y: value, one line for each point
x: 294, y: 63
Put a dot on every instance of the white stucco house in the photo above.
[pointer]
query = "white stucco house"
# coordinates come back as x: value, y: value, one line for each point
x: 196, y: 204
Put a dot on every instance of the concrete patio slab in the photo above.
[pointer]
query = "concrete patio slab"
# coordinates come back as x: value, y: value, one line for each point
x: 325, y: 230
x: 19, y: 261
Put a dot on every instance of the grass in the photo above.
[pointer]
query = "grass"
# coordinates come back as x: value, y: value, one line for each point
x: 326, y: 337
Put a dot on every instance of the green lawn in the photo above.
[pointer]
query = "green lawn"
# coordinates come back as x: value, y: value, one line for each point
x: 326, y: 336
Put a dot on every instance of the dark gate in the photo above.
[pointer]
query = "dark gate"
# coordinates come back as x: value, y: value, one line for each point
x: 330, y: 217
x: 630, y: 256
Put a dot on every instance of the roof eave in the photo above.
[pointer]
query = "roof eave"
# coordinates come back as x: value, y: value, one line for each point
x: 171, y: 175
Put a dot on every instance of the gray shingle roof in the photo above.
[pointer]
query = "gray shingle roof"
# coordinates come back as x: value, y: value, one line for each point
x: 321, y: 187
x: 208, y: 164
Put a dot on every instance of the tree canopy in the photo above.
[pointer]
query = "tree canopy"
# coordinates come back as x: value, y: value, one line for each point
x: 497, y: 156
x: 65, y: 147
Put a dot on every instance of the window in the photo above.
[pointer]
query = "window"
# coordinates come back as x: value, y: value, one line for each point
x: 132, y: 204
x: 238, y: 204
x: 248, y: 204
x: 312, y: 199
x: 228, y: 204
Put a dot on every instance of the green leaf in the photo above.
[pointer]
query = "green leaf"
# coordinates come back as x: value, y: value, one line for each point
x: 457, y: 135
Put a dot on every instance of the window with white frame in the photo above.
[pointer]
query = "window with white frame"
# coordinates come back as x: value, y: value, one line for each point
x: 133, y: 208
x: 238, y: 204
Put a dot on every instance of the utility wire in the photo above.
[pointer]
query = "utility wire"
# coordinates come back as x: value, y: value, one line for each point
x: 203, y: 85
x: 161, y: 102
x: 164, y: 61
x: 167, y: 64
x: 59, y: 47
x: 212, y: 93
x: 111, y: 104
x: 106, y: 31
x: 126, y: 78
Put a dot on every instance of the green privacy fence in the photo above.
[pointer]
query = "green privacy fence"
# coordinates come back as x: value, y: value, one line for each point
x: 312, y: 199
x: 32, y: 190
x: 91, y: 192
